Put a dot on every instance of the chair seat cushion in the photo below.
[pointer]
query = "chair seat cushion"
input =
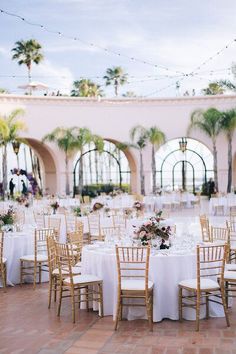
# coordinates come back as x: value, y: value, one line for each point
x: 75, y: 270
x: 30, y: 258
x: 135, y: 284
x: 229, y: 275
x: 230, y: 267
x: 204, y: 284
x: 4, y: 260
x: 84, y: 278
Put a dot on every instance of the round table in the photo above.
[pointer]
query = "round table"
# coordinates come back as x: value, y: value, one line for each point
x: 166, y: 270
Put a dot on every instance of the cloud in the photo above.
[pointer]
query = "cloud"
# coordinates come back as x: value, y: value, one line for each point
x: 55, y: 76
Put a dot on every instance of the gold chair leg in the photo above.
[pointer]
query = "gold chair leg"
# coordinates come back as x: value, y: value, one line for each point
x: 55, y: 288
x: 35, y: 276
x: 224, y: 305
x: 198, y: 311
x: 180, y: 304
x: 207, y: 305
x: 60, y: 300
x: 87, y: 298
x: 72, y: 293
x: 100, y: 286
x: 148, y: 305
x: 21, y: 272
x: 50, y: 291
x: 40, y: 272
x: 3, y: 271
x: 117, y: 312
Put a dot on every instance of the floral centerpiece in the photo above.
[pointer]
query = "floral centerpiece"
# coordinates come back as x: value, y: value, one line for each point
x: 128, y: 212
x: 77, y: 211
x: 97, y: 206
x: 7, y: 218
x: 54, y: 206
x: 138, y: 206
x: 22, y: 200
x: 152, y: 229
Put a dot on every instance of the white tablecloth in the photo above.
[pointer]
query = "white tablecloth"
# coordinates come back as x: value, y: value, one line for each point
x: 166, y: 271
x: 16, y: 245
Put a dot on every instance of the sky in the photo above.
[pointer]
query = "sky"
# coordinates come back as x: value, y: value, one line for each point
x: 176, y: 36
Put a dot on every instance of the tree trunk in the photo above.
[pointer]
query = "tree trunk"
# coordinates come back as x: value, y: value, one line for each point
x: 96, y: 166
x: 142, y: 180
x: 153, y: 171
x: 116, y: 88
x: 90, y: 166
x: 29, y: 78
x: 4, y: 171
x: 229, y: 163
x: 215, y: 165
x: 67, y: 176
x: 81, y: 173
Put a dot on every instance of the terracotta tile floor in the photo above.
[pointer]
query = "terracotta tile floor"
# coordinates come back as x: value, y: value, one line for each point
x: 27, y: 326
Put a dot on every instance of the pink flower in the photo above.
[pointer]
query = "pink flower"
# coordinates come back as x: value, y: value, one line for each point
x: 142, y: 234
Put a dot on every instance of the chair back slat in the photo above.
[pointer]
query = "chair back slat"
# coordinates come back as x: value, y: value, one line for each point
x: 133, y: 263
x: 205, y: 228
x: 211, y: 261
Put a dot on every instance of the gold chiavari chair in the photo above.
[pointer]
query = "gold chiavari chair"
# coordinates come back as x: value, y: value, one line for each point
x: 231, y: 225
x: 111, y: 233
x: 55, y: 223
x: 3, y: 263
x: 72, y: 223
x: 34, y: 264
x: 232, y: 217
x: 199, y: 291
x: 205, y: 228
x: 120, y: 221
x: 75, y: 239
x: 232, y: 210
x: 54, y: 278
x: 94, y: 226
x: 133, y: 283
x: 39, y: 220
x: 86, y: 199
x: 83, y: 288
x: 220, y: 234
x: 20, y: 217
x: 230, y: 283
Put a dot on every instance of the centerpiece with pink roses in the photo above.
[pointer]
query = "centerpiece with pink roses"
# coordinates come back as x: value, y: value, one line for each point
x: 153, y: 229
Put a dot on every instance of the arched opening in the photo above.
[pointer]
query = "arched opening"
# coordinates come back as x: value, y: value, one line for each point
x: 47, y: 164
x: 102, y: 170
x: 27, y: 165
x: 183, y: 167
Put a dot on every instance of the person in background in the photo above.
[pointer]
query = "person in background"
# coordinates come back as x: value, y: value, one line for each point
x: 210, y: 187
x: 11, y: 188
x: 24, y: 188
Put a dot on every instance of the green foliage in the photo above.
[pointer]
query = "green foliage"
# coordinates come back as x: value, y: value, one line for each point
x: 214, y: 88
x: 115, y: 76
x: 86, y: 88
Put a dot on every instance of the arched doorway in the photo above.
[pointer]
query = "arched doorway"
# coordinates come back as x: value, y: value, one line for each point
x: 183, y: 164
x: 109, y: 167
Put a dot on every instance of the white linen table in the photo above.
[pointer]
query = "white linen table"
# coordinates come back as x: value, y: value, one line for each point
x: 166, y: 271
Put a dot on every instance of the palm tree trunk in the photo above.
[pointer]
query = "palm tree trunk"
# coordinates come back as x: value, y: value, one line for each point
x: 4, y: 171
x: 153, y: 171
x: 229, y: 163
x: 142, y: 180
x: 96, y: 166
x: 90, y: 165
x: 215, y: 165
x: 67, y: 176
x: 81, y: 173
x: 116, y: 87
x: 29, y: 78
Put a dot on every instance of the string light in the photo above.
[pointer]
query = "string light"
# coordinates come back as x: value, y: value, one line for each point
x: 134, y: 59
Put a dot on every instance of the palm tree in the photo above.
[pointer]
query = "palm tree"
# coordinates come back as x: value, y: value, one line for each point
x: 228, y: 125
x: 156, y: 138
x: 10, y: 128
x: 65, y: 139
x: 214, y: 88
x: 26, y: 53
x: 115, y: 76
x: 86, y: 88
x: 209, y: 122
x: 139, y: 137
